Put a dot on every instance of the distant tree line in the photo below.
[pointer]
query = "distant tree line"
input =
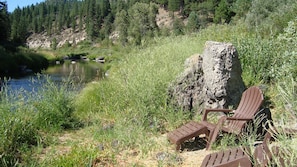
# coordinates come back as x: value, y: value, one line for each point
x: 133, y: 20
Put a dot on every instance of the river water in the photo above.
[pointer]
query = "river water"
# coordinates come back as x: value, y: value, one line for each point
x: 77, y: 72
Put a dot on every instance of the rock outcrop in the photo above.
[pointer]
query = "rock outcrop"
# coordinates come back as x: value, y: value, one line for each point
x: 42, y: 40
x: 211, y: 80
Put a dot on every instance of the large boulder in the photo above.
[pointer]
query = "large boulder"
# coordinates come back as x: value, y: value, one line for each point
x: 211, y: 80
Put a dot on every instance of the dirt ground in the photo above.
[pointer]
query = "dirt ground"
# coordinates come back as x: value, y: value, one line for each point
x: 192, y: 154
x: 163, y: 154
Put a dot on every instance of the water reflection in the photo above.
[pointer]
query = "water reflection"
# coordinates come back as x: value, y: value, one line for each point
x: 78, y: 72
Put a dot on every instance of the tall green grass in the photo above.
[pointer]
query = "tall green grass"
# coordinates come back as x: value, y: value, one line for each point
x: 29, y: 118
x: 133, y: 96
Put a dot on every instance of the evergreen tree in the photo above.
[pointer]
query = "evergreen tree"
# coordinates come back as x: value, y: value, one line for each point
x: 178, y: 26
x: 92, y: 17
x: 104, y: 8
x: 22, y: 30
x: 106, y: 27
x: 223, y: 12
x: 193, y: 22
x: 15, y: 20
x: 4, y: 22
x: 141, y: 22
x: 60, y: 17
x: 122, y: 23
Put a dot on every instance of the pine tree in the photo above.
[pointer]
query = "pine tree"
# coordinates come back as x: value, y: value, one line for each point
x: 222, y: 12
x: 92, y: 18
x: 141, y: 22
x: 104, y: 8
x: 4, y: 21
x: 193, y: 22
x: 106, y: 27
x: 15, y: 20
x: 178, y: 26
x: 122, y: 23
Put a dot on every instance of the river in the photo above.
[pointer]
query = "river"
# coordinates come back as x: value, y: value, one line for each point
x: 79, y: 72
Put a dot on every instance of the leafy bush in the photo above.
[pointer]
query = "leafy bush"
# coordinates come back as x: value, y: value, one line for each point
x: 258, y: 59
x: 7, y: 62
x: 268, y: 18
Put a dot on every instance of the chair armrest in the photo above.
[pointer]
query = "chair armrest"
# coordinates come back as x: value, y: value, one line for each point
x: 204, y: 117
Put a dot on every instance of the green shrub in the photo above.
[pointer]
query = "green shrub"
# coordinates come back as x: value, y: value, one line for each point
x: 258, y: 59
x: 268, y: 18
x: 7, y: 63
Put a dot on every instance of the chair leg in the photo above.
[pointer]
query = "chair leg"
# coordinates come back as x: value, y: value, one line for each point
x: 215, y: 132
x: 178, y: 146
x: 212, y: 138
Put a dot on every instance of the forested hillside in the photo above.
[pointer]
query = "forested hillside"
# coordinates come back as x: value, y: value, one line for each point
x: 134, y: 20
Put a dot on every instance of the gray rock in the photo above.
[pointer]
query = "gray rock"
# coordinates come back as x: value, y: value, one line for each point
x: 211, y: 80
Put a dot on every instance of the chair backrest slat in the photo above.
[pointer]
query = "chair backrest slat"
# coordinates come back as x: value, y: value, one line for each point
x: 249, y: 105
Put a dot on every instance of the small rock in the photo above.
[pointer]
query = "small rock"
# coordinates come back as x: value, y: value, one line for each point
x: 161, y: 156
x: 100, y: 147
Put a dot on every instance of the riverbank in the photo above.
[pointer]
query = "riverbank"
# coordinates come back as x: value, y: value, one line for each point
x: 19, y: 61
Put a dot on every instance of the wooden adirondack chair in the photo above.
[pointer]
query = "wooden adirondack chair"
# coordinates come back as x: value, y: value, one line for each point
x: 261, y: 156
x: 250, y: 102
x: 240, y: 156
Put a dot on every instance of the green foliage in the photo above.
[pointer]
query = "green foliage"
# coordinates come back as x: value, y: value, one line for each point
x: 142, y: 21
x: 6, y: 61
x: 287, y: 75
x: 268, y: 18
x: 287, y: 92
x: 78, y: 156
x: 258, y: 59
x: 134, y: 94
x: 31, y: 60
x: 193, y: 24
x: 24, y: 115
x: 178, y: 26
x: 54, y: 44
x: 122, y: 22
x: 240, y: 8
x: 4, y: 21
x: 54, y: 108
x: 11, y: 62
x: 17, y: 130
x: 173, y: 5
x: 223, y: 12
